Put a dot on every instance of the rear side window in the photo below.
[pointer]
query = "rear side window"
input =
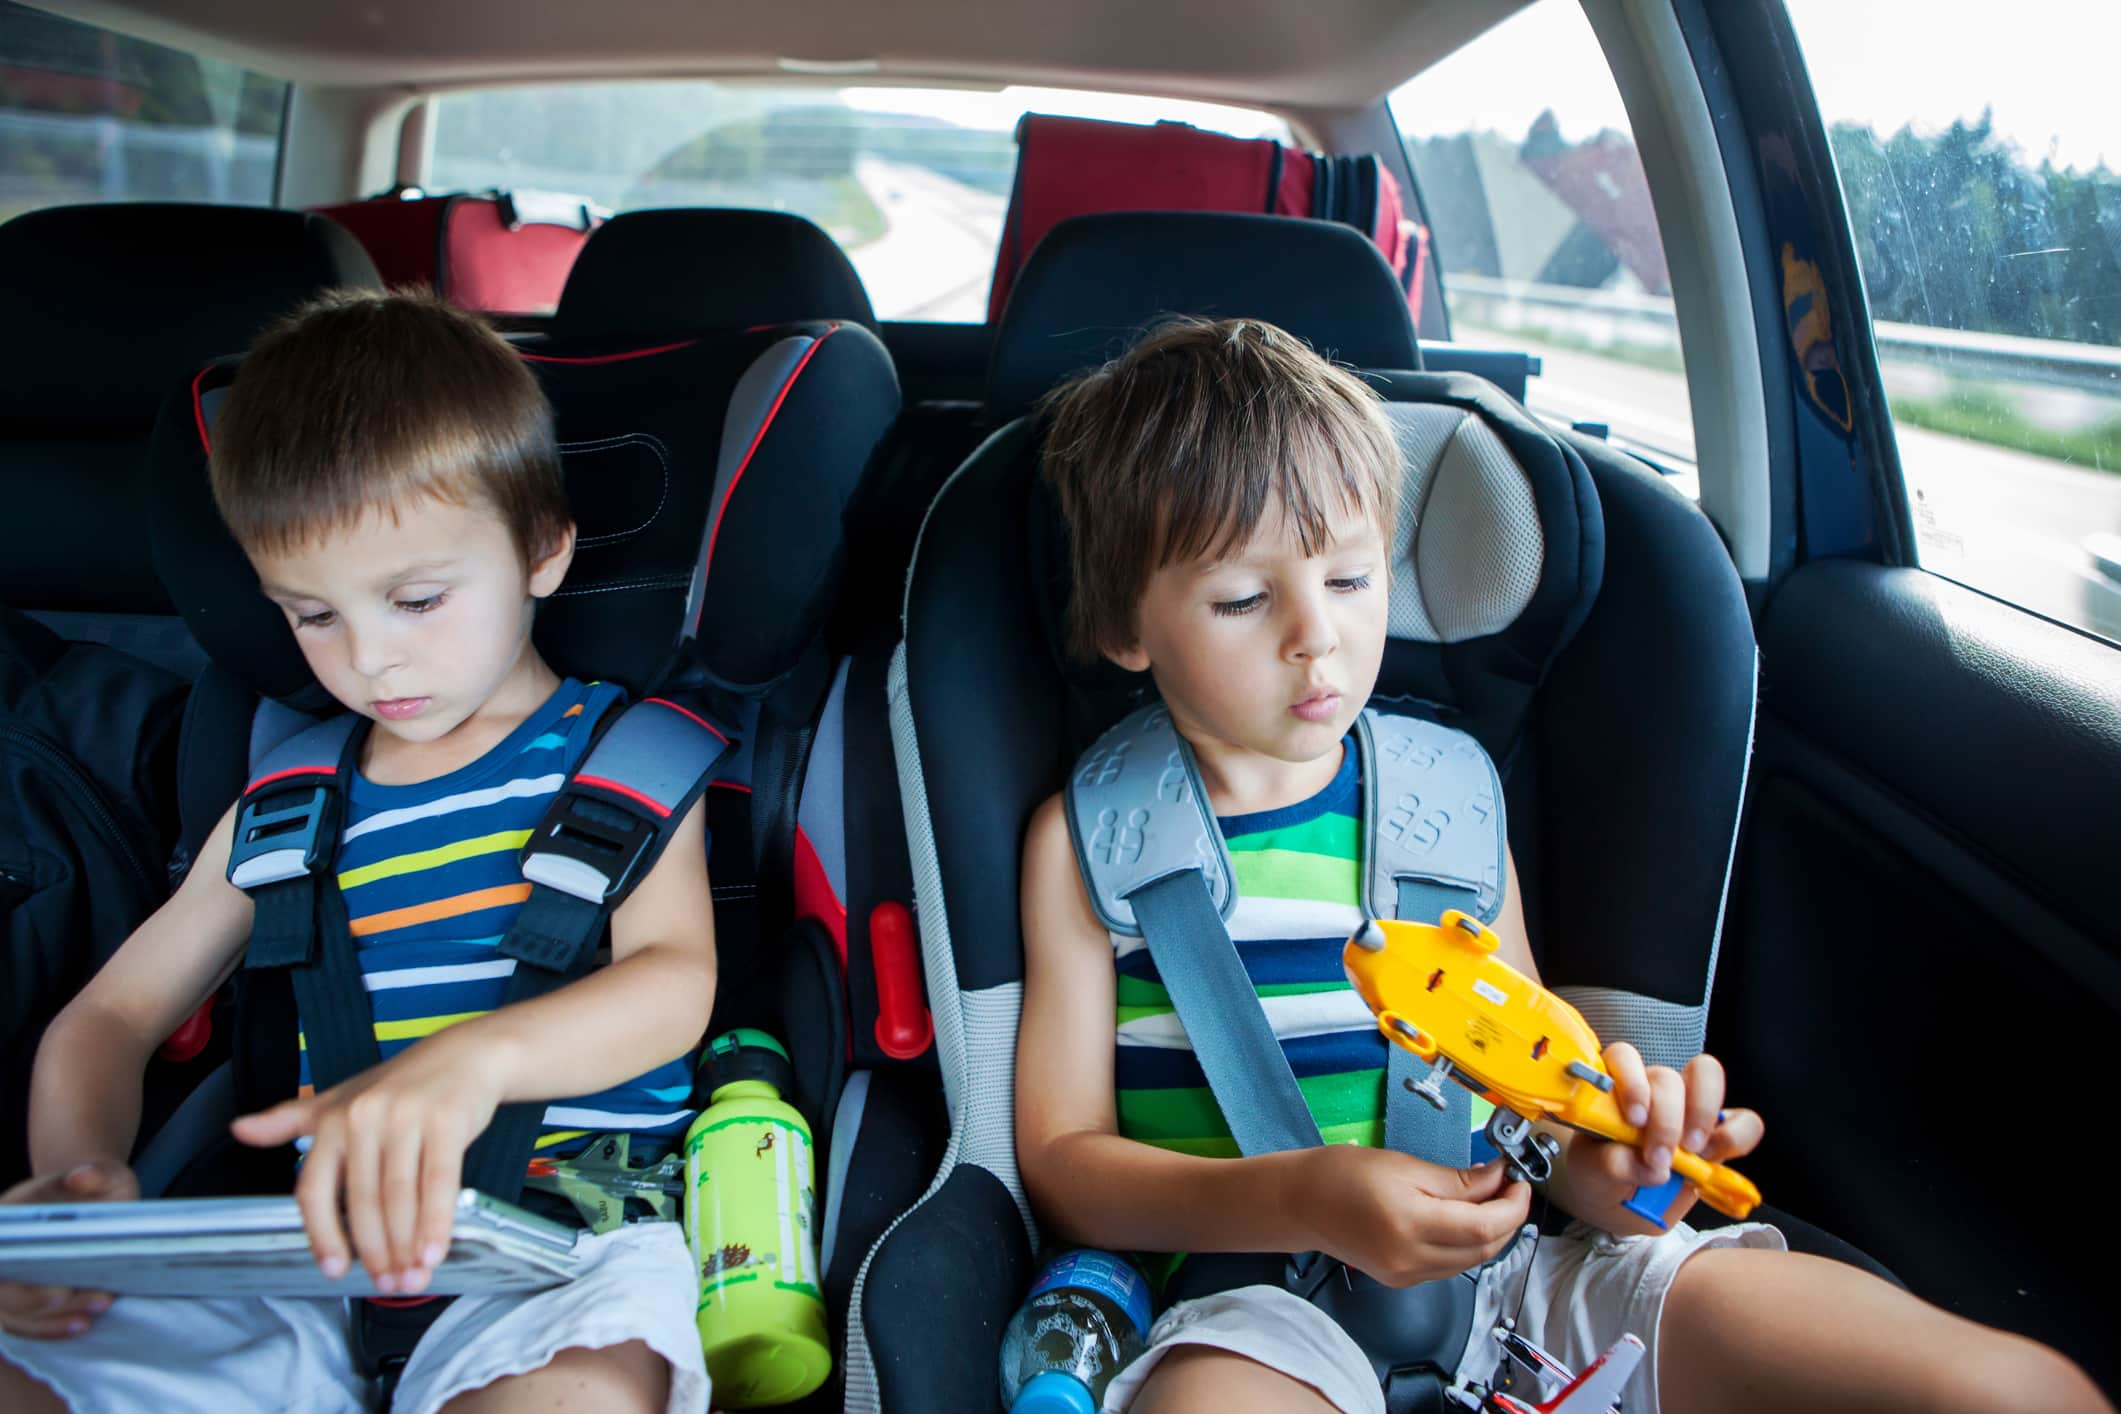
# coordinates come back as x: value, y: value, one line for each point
x: 913, y: 183
x: 88, y: 115
x: 1978, y: 170
x: 1541, y: 224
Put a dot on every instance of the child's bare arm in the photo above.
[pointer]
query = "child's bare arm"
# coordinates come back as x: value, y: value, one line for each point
x: 393, y: 1138
x: 85, y: 1089
x: 1391, y: 1215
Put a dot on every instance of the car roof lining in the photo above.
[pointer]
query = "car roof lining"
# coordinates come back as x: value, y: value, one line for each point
x: 1331, y: 53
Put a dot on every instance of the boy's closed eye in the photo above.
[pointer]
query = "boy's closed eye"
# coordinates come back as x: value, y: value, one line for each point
x: 1344, y: 584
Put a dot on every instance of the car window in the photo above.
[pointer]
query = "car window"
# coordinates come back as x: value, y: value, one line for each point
x: 88, y: 115
x: 1541, y: 224
x: 1976, y: 168
x: 913, y: 183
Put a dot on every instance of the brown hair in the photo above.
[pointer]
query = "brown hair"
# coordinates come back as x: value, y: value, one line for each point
x: 361, y: 400
x: 1178, y: 447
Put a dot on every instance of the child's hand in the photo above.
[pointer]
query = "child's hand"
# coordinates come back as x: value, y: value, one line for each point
x: 393, y: 1139
x: 57, y: 1312
x: 1672, y: 1109
x: 1401, y: 1220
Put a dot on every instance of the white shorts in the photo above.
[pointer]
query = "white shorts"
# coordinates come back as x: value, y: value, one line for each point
x: 1587, y: 1288
x: 223, y: 1356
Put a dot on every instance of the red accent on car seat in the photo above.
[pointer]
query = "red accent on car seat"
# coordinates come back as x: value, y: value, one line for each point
x: 487, y: 266
x: 188, y: 1040
x: 903, y: 1026
x: 629, y: 792
x: 607, y: 358
x: 198, y: 412
x: 814, y: 897
x: 1075, y: 166
x: 461, y: 248
x: 1070, y: 166
x: 291, y: 771
x: 684, y: 712
x: 760, y: 436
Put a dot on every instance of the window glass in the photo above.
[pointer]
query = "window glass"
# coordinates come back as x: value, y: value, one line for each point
x: 88, y: 115
x: 1976, y: 166
x: 1542, y: 226
x: 913, y: 183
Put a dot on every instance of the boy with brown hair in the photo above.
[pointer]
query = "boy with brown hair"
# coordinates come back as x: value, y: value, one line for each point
x: 1233, y: 505
x: 389, y: 467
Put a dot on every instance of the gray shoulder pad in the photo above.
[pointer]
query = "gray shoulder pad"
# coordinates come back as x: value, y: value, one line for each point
x: 1433, y: 806
x: 1137, y: 813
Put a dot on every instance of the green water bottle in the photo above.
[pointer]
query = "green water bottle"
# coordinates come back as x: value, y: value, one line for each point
x: 750, y: 1181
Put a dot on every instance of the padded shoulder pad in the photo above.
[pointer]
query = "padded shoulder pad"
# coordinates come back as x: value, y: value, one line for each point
x: 1432, y: 804
x: 1137, y: 812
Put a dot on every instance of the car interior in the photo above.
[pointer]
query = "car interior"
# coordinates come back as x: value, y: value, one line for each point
x: 1785, y: 780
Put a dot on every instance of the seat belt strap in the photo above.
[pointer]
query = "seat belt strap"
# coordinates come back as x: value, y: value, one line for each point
x: 1412, y: 1124
x: 1247, y: 1071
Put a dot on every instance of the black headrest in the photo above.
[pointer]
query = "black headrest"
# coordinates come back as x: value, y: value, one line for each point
x: 105, y: 308
x: 649, y: 272
x: 1096, y: 281
x: 751, y: 441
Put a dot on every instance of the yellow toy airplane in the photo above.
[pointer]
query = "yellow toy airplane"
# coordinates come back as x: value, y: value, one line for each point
x: 1440, y: 992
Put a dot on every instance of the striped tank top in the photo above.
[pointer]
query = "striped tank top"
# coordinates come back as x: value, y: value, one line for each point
x: 1299, y: 897
x: 432, y: 884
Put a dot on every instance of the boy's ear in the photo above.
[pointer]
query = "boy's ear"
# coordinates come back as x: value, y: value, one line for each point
x: 547, y: 573
x: 1134, y: 658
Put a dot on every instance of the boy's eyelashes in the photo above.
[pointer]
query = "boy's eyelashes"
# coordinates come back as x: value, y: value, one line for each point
x: 1232, y: 608
x: 324, y: 618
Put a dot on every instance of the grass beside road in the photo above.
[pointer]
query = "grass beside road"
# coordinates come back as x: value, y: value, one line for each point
x: 1977, y: 412
x: 1986, y: 414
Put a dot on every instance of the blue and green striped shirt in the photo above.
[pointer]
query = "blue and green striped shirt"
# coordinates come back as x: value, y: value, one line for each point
x: 1299, y: 886
x: 432, y: 882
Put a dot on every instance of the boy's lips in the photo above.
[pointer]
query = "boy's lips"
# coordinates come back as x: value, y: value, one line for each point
x: 398, y: 709
x: 1317, y: 705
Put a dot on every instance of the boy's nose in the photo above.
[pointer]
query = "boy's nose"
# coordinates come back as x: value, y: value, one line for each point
x: 371, y: 654
x: 1311, y: 632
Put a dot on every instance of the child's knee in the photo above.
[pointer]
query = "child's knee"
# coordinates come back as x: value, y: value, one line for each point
x: 1206, y: 1377
x: 2008, y: 1374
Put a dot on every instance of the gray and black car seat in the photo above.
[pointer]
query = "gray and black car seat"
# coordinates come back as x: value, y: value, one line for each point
x: 1556, y: 600
x: 708, y: 465
x: 102, y: 309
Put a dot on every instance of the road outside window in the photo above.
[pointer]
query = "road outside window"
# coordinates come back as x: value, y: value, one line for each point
x: 87, y: 116
x: 1978, y: 170
x: 1542, y: 224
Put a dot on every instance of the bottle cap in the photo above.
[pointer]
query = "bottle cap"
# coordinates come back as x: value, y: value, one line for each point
x: 1053, y: 1392
x: 745, y: 1054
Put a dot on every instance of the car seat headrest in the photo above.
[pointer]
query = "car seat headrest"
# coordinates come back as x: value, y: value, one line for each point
x: 1096, y: 281
x: 648, y: 272
x: 1496, y: 558
x: 708, y: 479
x: 107, y: 308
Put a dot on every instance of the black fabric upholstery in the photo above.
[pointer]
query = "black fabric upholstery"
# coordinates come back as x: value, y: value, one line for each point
x: 979, y: 673
x: 648, y: 272
x: 1643, y: 730
x: 1095, y: 281
x: 106, y: 309
x: 940, y: 1291
x: 642, y: 433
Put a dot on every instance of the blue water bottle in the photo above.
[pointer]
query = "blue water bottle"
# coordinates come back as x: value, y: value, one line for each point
x: 1084, y: 1322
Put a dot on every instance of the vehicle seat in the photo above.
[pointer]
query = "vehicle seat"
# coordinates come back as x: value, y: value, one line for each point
x: 1567, y: 608
x: 104, y: 309
x: 707, y: 470
x: 503, y: 253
